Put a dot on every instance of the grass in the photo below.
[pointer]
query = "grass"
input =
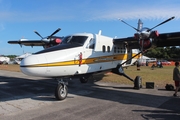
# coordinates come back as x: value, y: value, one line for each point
x: 160, y: 76
x: 13, y: 67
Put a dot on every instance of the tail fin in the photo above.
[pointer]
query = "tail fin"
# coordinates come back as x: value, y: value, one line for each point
x: 140, y: 25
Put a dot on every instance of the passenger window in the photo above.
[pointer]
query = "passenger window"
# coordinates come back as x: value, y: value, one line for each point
x: 108, y: 48
x: 114, y: 49
x: 118, y: 50
x: 104, y: 48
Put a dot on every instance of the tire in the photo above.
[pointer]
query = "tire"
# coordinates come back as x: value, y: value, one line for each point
x: 60, y: 92
x: 5, y: 63
x: 138, y: 83
x: 83, y: 80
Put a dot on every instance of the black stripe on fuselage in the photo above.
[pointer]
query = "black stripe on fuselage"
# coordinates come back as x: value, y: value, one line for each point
x: 59, y: 47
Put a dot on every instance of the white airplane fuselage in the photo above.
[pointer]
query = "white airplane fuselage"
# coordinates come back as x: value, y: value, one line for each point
x: 77, y: 55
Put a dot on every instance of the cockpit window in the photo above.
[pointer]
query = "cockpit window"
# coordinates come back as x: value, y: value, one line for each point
x: 75, y: 40
x: 91, y: 44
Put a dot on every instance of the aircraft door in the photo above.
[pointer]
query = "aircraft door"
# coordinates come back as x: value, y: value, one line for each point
x: 129, y: 56
x: 89, y: 53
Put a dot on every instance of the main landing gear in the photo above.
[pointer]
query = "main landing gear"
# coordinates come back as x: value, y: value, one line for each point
x: 119, y: 70
x: 137, y: 81
x: 83, y: 79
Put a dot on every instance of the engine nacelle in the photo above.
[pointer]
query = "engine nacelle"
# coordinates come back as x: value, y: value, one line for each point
x: 53, y: 42
x: 145, y: 44
x: 154, y: 34
x: 136, y: 36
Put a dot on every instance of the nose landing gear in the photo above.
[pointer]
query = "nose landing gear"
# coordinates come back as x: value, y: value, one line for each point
x: 61, y: 91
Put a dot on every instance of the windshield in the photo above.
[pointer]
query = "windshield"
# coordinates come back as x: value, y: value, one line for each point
x: 75, y: 39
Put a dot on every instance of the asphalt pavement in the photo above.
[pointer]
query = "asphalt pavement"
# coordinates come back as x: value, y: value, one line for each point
x: 32, y: 98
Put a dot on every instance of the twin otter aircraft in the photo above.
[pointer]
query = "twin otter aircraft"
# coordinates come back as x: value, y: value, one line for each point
x: 84, y: 54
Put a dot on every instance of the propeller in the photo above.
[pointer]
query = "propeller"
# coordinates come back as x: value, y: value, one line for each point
x: 54, y: 32
x: 38, y: 34
x: 161, y: 23
x: 147, y: 35
x: 50, y: 35
x: 152, y: 27
x: 129, y: 25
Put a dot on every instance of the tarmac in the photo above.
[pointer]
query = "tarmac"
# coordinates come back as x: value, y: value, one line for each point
x: 32, y: 98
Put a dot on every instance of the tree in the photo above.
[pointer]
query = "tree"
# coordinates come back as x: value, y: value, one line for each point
x: 164, y: 53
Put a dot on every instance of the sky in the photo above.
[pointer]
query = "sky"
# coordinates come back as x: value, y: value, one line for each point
x: 19, y: 19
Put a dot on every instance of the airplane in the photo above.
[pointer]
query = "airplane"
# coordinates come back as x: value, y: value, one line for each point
x: 81, y: 55
x: 46, y: 42
x: 4, y: 60
x: 19, y: 58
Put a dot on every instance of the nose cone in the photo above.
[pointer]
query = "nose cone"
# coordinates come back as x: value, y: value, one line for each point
x: 29, y: 61
x: 31, y: 65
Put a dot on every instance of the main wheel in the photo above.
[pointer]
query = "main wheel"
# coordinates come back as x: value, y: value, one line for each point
x: 61, y: 92
x: 137, y: 83
x: 83, y: 80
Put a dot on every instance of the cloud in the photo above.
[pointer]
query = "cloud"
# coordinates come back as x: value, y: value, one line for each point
x: 90, y: 10
x: 136, y: 12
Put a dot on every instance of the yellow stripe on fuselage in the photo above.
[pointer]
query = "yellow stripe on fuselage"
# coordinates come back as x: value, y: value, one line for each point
x: 84, y: 61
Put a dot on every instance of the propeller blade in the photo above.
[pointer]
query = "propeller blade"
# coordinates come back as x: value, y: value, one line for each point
x: 129, y: 25
x: 161, y: 23
x: 38, y: 34
x: 55, y: 32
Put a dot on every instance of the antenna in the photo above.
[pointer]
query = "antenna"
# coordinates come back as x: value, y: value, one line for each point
x: 99, y: 32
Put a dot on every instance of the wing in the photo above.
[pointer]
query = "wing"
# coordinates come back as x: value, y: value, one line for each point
x: 130, y: 41
x: 28, y: 42
x: 163, y: 40
x: 168, y: 39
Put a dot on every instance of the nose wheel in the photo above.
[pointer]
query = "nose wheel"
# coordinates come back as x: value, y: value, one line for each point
x: 61, y: 90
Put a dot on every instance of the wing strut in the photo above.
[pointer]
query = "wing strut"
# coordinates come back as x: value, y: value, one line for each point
x: 131, y: 58
x: 119, y: 70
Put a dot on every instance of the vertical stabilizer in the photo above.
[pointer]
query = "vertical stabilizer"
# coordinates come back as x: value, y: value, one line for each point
x: 140, y: 25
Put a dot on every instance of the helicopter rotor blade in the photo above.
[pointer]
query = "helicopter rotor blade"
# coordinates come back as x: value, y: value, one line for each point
x: 161, y: 23
x: 129, y: 25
